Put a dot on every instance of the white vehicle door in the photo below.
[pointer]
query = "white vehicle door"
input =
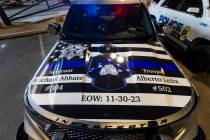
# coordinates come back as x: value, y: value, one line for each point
x: 155, y: 8
x: 171, y: 15
x: 196, y: 25
x: 194, y: 20
x: 187, y: 25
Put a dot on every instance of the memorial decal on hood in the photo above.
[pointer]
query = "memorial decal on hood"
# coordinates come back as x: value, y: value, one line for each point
x: 95, y: 81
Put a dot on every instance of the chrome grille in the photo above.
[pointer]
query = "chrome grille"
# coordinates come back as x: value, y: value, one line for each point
x: 76, y: 133
x: 86, y: 134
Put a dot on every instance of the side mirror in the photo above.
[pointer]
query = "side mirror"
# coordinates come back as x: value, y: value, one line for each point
x: 54, y: 28
x: 158, y: 26
x: 193, y: 10
x: 153, y: 18
x: 155, y: 23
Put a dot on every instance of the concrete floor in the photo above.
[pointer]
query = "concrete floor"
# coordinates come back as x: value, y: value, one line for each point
x: 19, y: 59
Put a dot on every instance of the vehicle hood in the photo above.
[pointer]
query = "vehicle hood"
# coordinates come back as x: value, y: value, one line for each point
x: 110, y: 82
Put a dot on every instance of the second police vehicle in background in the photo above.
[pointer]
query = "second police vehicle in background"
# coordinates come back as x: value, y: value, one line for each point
x: 108, y: 77
x: 190, y: 20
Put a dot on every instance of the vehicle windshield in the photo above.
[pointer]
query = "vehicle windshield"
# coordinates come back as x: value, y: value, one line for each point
x: 108, y: 22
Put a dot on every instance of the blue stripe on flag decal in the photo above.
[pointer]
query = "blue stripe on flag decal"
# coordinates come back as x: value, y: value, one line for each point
x: 131, y: 64
x: 69, y: 64
x: 152, y: 65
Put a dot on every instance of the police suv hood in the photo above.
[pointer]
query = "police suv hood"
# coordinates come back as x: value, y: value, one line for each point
x: 109, y: 84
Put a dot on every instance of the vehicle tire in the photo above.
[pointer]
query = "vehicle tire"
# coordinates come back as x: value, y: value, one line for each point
x: 21, y: 135
x: 201, y: 134
x: 198, y: 59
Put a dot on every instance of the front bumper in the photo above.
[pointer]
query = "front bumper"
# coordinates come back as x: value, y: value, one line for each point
x: 33, y: 129
x: 36, y: 128
x: 37, y: 132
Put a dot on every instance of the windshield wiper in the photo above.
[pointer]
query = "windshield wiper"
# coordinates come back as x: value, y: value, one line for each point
x: 118, y: 41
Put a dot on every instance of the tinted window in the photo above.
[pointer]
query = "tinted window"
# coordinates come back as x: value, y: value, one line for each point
x: 108, y: 22
x: 185, y: 4
x: 172, y: 4
x: 156, y: 1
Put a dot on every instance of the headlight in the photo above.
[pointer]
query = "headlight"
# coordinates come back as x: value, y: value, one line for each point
x: 42, y: 123
x: 183, y: 129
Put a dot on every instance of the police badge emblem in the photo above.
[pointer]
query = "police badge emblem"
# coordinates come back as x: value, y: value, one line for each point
x: 108, y: 71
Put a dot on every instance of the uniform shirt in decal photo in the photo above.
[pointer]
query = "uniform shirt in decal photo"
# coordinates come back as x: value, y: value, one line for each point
x: 109, y: 71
